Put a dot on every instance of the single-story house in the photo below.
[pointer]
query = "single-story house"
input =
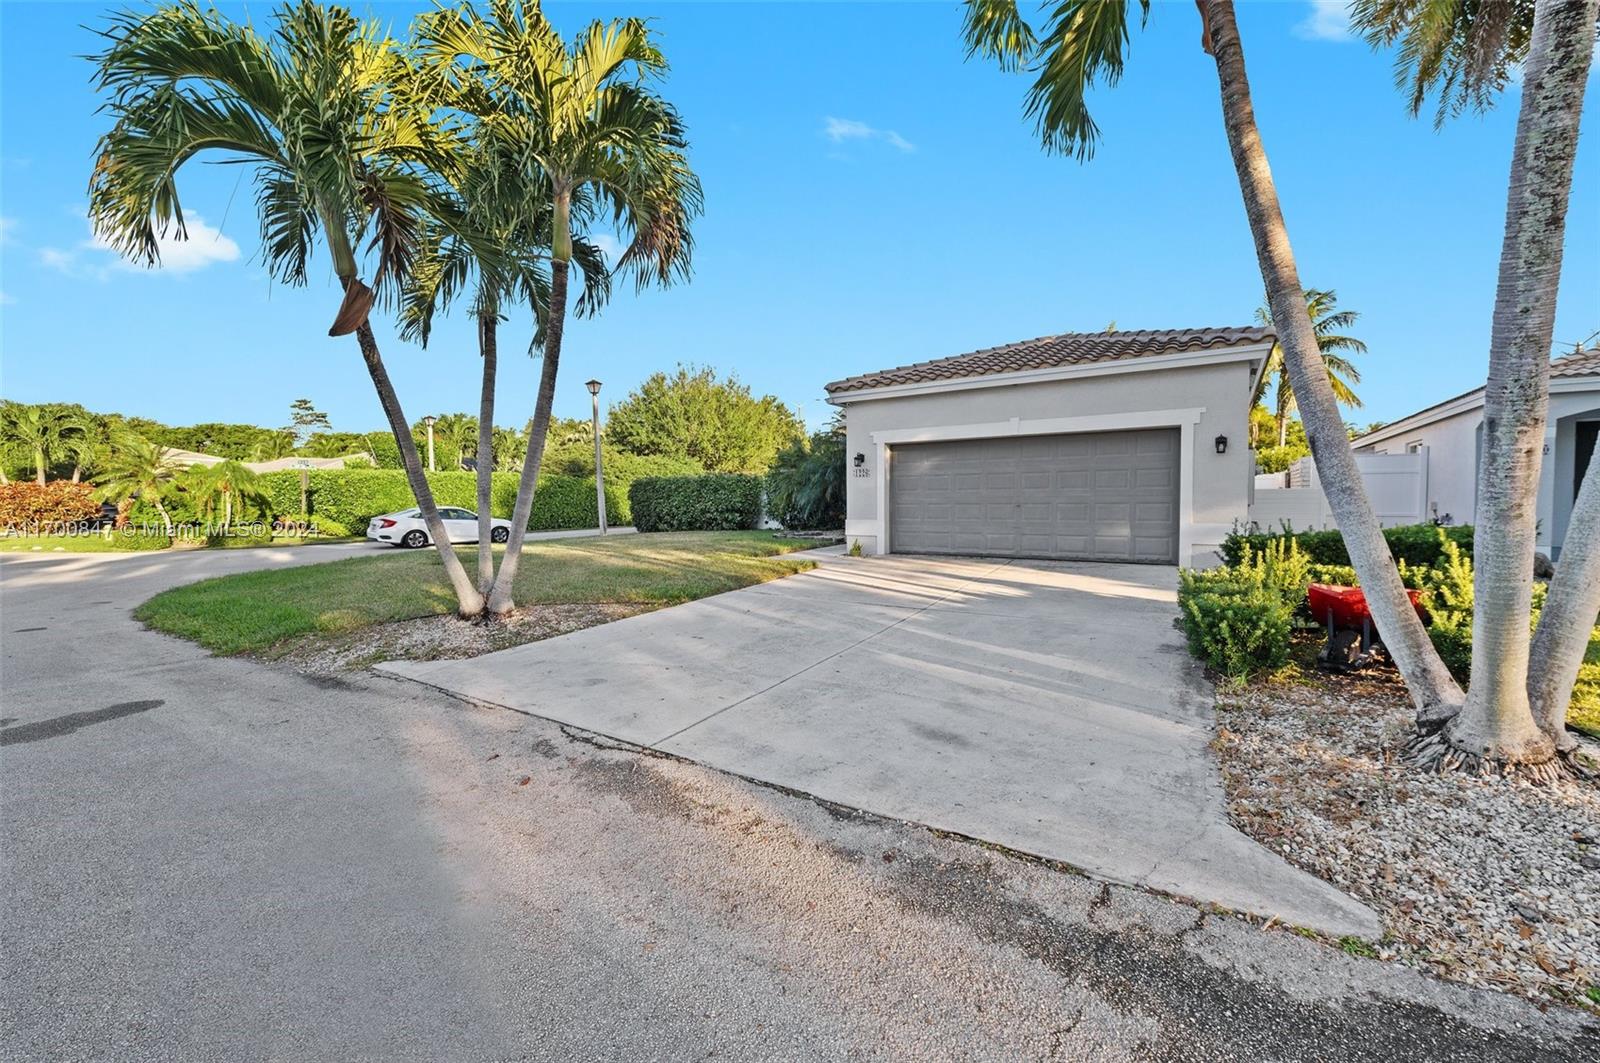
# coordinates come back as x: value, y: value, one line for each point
x: 1450, y: 433
x: 1105, y: 446
x: 186, y: 459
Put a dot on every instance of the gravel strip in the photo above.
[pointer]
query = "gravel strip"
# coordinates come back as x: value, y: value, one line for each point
x: 1480, y: 881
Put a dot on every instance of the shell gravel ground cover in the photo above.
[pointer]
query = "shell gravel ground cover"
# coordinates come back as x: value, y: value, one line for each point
x: 1482, y: 881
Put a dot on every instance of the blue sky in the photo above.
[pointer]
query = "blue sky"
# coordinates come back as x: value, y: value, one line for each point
x: 871, y: 199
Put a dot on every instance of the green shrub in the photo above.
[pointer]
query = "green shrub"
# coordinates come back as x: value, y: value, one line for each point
x: 240, y: 535
x: 806, y: 484
x: 308, y: 526
x: 1338, y: 575
x: 134, y: 539
x: 1234, y: 623
x: 713, y: 502
x: 1415, y: 544
x: 352, y: 497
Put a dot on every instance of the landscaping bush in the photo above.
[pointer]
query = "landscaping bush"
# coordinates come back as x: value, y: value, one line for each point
x: 308, y: 526
x: 1415, y: 544
x: 1235, y: 624
x: 714, y: 502
x: 352, y: 497
x: 60, y: 502
x: 256, y: 533
x: 133, y: 539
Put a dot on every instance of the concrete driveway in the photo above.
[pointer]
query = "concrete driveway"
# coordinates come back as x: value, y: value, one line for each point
x: 1047, y: 707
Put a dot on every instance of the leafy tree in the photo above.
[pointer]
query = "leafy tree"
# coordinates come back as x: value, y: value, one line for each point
x: 304, y: 419
x: 36, y: 433
x: 216, y: 488
x: 321, y: 109
x: 691, y: 414
x: 1083, y: 42
x: 509, y: 445
x: 597, y: 140
x: 138, y: 471
x: 1342, y: 373
x: 335, y: 444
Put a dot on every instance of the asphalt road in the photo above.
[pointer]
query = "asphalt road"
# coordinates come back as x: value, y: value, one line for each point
x: 216, y: 859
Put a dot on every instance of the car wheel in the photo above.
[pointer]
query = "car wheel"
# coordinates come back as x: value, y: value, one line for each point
x: 415, y: 539
x: 499, y: 535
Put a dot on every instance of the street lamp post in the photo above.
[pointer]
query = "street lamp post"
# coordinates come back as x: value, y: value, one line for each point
x: 429, y: 420
x: 599, y: 475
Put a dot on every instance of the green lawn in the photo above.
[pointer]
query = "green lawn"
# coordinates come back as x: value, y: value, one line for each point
x: 254, y: 610
x: 1584, y: 712
x: 72, y: 544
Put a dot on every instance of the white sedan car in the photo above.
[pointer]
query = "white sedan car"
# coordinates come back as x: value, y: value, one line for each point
x: 407, y: 529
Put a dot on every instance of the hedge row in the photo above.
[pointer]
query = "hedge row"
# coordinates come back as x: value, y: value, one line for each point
x: 713, y: 502
x: 351, y: 497
x: 1415, y: 544
x: 57, y: 502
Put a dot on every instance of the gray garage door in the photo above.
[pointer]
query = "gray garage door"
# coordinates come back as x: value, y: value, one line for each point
x: 1100, y: 496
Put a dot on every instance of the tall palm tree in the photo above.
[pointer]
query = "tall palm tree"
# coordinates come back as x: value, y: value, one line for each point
x: 509, y: 446
x: 1342, y: 373
x: 589, y: 127
x: 322, y: 110
x: 1083, y: 43
x: 491, y: 187
x: 221, y: 484
x: 138, y: 471
x: 1514, y: 715
x: 278, y: 444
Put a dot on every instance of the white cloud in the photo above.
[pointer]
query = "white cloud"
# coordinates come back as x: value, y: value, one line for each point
x: 1328, y: 20
x: 840, y: 130
x: 204, y: 246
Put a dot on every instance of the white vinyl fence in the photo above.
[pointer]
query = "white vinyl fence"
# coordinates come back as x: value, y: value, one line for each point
x: 1396, y: 483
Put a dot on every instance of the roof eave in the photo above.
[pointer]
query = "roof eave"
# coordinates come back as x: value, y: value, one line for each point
x: 1255, y: 352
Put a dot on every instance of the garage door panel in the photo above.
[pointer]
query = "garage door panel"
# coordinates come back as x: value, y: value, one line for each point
x: 1101, y: 496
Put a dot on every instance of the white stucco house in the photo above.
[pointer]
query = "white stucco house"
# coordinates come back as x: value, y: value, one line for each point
x: 1107, y: 446
x: 1450, y: 433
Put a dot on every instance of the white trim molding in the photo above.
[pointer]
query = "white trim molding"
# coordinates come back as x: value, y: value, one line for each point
x: 1254, y: 352
x: 1184, y: 420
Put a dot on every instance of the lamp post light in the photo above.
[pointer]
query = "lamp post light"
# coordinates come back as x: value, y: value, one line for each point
x: 599, y: 475
x: 429, y: 421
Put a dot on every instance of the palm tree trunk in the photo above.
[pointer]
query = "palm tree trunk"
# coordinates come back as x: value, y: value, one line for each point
x: 469, y: 601
x: 1497, y: 723
x: 488, y: 325
x: 77, y: 472
x: 555, y: 319
x: 166, y: 521
x: 227, y: 509
x: 38, y: 465
x: 500, y: 600
x: 1568, y: 617
x: 1435, y: 693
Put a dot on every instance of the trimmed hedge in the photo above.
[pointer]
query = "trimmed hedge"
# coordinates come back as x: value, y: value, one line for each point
x: 240, y: 535
x: 352, y: 497
x: 714, y: 502
x: 1414, y: 544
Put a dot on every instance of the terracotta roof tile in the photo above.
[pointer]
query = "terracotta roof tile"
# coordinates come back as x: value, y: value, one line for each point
x: 1048, y: 352
x: 1578, y: 363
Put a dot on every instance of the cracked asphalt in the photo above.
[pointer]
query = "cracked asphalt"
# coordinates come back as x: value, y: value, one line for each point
x: 206, y: 859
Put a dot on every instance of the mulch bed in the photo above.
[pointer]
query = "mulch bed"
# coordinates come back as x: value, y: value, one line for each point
x: 1482, y: 881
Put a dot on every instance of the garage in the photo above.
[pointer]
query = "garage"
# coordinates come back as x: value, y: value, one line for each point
x: 1095, y: 496
x: 1092, y: 446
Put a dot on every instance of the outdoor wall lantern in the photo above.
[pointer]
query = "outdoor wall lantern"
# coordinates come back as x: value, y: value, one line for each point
x: 1222, y: 444
x: 861, y: 459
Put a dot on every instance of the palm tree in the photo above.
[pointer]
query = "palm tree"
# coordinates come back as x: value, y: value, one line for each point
x: 275, y: 445
x: 138, y: 471
x: 597, y: 139
x: 322, y: 109
x: 219, y: 485
x: 1084, y: 43
x: 1515, y: 710
x: 509, y: 446
x: 1342, y: 372
x: 34, y: 432
x: 490, y: 187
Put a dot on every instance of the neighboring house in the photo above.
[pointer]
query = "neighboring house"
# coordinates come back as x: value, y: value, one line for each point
x: 1106, y: 446
x: 1450, y: 434
x: 186, y: 459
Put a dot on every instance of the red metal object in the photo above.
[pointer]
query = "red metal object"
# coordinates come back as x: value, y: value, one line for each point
x: 1346, y: 606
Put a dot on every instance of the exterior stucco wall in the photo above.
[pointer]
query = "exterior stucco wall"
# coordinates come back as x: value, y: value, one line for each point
x: 1212, y: 398
x: 1453, y: 444
x: 1452, y: 463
